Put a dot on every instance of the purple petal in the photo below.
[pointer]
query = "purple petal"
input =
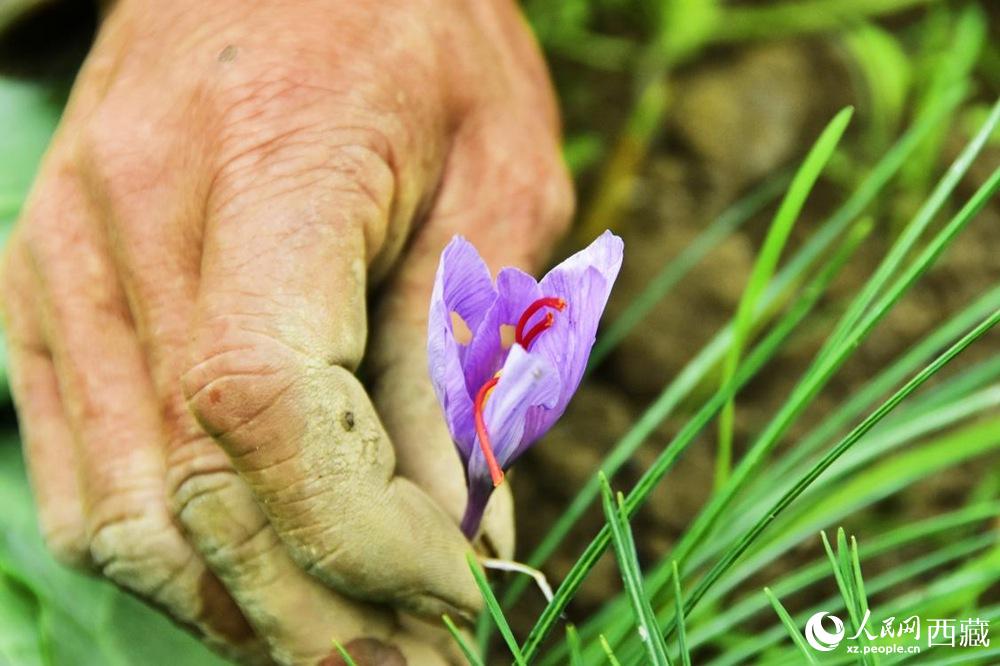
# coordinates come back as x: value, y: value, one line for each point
x: 449, y: 383
x: 516, y: 290
x: 466, y: 283
x: 604, y: 254
x: 584, y: 281
x: 462, y: 286
x: 526, y: 381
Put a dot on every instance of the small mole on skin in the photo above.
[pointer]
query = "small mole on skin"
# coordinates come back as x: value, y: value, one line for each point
x: 228, y: 54
x: 347, y: 420
x: 214, y: 396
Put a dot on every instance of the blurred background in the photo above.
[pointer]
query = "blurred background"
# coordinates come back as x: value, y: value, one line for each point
x: 679, y: 115
x: 671, y: 116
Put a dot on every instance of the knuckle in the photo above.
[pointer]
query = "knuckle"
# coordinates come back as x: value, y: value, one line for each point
x: 66, y: 542
x: 36, y: 236
x: 49, y: 222
x: 282, y: 130
x: 235, y: 377
x: 117, y: 152
x: 97, y: 137
x: 526, y: 164
x: 558, y: 196
x: 222, y: 517
x: 267, y: 163
x: 138, y: 549
x: 543, y: 188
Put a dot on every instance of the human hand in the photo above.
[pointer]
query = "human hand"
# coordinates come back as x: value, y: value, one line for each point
x: 185, y: 301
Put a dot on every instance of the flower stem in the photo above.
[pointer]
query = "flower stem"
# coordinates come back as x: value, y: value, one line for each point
x: 474, y: 508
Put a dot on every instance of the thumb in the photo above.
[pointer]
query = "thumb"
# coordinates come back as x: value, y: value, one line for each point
x: 279, y: 326
x: 409, y: 410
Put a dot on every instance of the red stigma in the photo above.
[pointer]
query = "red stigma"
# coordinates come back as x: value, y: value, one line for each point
x: 525, y: 339
x: 537, y: 329
x: 484, y: 438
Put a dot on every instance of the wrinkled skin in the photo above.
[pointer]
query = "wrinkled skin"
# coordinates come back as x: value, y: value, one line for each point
x: 185, y: 304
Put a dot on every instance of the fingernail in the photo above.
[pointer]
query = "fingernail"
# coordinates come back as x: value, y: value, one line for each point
x: 367, y: 652
x: 220, y: 612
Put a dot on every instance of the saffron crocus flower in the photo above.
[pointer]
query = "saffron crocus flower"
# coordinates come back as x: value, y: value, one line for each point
x: 506, y: 358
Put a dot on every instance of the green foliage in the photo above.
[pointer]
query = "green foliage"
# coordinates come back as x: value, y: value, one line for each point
x: 493, y: 607
x: 684, y: 26
x: 698, y: 368
x: 764, y: 268
x: 467, y: 650
x: 628, y: 563
x: 883, y: 71
x: 573, y: 642
x: 682, y: 644
x: 609, y: 652
x: 791, y: 627
x: 789, y: 18
x: 30, y: 113
x: 52, y: 616
x: 953, y: 526
x: 344, y: 654
x: 847, y: 573
x: 950, y: 45
x: 753, y: 362
x: 806, y: 486
x: 20, y: 642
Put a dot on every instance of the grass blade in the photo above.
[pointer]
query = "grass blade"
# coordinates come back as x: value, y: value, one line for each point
x: 793, y: 629
x: 493, y: 606
x: 846, y: 443
x: 573, y: 641
x: 765, y: 266
x: 859, y: 581
x: 661, y: 575
x: 742, y: 653
x: 949, y: 526
x: 890, y: 264
x: 682, y: 645
x: 344, y: 654
x: 628, y: 564
x: 470, y: 654
x: 823, y: 368
x: 752, y: 22
x: 838, y: 575
x: 861, y: 490
x: 847, y: 583
x: 612, y: 659
x: 862, y: 399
